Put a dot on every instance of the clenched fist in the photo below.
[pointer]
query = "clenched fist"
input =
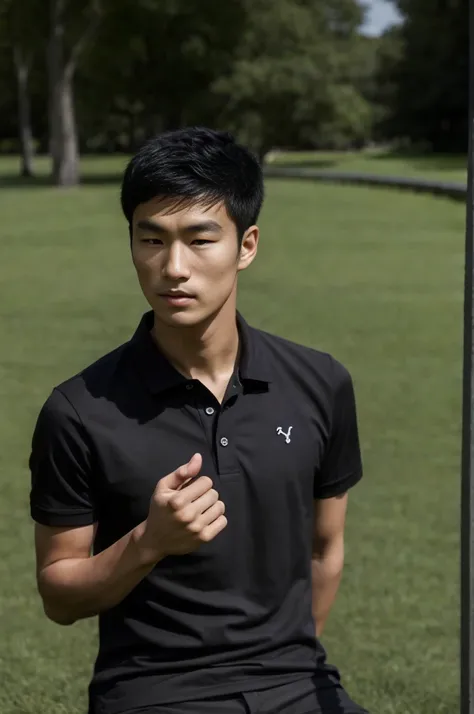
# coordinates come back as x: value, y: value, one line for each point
x: 184, y: 512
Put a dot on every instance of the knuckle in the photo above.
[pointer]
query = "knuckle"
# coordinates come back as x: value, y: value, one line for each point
x: 221, y: 505
x: 183, y: 516
x: 176, y: 502
x: 159, y: 499
x: 194, y: 527
x: 205, y: 536
x: 207, y: 482
x: 222, y: 523
x: 213, y: 493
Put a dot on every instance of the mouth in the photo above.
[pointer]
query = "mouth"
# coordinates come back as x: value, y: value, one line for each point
x: 177, y: 298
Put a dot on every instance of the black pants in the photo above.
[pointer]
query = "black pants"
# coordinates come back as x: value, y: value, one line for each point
x: 295, y: 698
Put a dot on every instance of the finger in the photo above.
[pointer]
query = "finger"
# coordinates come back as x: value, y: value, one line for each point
x: 191, y: 493
x: 187, y: 471
x: 192, y: 511
x: 209, y: 532
x: 210, y: 515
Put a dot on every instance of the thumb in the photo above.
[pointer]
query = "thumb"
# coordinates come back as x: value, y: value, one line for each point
x: 183, y: 473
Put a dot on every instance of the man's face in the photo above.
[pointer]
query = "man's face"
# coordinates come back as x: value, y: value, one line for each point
x: 187, y: 259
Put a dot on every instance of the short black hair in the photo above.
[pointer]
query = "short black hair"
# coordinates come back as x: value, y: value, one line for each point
x: 196, y: 164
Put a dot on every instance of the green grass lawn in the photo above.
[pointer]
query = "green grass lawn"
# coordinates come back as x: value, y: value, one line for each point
x: 373, y: 276
x: 445, y: 168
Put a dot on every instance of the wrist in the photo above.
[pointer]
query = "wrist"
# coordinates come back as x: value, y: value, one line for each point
x: 148, y: 554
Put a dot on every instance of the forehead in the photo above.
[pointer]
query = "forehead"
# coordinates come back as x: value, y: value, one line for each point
x: 180, y: 212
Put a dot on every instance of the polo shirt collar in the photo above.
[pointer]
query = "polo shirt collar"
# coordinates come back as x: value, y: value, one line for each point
x: 159, y: 373
x: 253, y: 365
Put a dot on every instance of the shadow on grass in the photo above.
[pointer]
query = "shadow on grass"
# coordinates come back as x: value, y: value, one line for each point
x: 18, y: 182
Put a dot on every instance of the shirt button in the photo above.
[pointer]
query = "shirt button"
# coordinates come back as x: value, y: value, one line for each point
x: 209, y: 410
x: 224, y: 441
x: 189, y: 386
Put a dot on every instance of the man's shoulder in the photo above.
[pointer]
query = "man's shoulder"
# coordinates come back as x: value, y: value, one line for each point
x: 305, y: 360
x: 96, y: 380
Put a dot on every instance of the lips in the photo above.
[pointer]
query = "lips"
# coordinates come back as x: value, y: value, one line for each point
x: 178, y: 299
x: 177, y: 295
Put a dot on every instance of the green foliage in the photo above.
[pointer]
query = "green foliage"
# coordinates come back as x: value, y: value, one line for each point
x: 291, y: 75
x: 19, y: 33
x: 274, y: 71
x: 152, y: 64
x: 426, y: 70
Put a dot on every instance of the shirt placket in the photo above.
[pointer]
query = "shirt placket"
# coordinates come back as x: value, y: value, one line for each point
x: 224, y: 433
x: 216, y: 420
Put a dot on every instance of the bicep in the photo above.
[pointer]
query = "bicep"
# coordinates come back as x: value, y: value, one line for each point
x: 329, y: 519
x: 59, y: 543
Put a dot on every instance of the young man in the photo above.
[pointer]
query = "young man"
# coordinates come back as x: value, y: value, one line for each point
x: 204, y: 463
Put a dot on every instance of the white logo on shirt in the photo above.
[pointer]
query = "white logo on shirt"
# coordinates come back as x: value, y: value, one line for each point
x: 287, y: 436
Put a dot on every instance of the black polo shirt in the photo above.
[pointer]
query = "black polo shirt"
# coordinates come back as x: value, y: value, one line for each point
x: 236, y: 614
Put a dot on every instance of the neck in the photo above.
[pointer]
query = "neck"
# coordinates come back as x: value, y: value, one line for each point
x: 208, y: 350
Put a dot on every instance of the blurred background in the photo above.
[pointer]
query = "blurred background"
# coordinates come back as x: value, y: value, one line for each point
x: 103, y: 75
x: 372, y: 275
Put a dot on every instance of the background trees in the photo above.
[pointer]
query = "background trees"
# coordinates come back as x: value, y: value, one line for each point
x: 102, y: 75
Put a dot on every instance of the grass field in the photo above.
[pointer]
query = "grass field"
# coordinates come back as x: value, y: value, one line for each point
x: 446, y: 168
x: 375, y: 277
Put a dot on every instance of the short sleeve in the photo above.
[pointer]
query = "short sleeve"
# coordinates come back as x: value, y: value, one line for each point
x: 341, y: 466
x: 60, y: 466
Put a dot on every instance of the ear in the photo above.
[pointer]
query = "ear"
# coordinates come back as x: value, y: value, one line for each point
x: 248, y: 248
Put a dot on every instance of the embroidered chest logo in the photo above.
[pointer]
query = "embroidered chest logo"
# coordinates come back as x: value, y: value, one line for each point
x: 287, y: 436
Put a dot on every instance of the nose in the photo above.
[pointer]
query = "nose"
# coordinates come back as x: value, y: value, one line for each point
x: 175, y: 266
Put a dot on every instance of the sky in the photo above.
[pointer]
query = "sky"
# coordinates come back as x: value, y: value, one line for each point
x: 381, y: 14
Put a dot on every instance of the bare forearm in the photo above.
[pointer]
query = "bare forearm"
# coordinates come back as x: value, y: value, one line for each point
x: 326, y: 572
x: 76, y: 588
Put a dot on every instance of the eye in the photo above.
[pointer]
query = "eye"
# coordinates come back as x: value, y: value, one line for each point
x: 201, y: 241
x: 151, y: 241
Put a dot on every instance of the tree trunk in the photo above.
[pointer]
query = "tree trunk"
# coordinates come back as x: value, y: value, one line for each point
x: 66, y: 166
x: 24, y: 113
x: 63, y: 131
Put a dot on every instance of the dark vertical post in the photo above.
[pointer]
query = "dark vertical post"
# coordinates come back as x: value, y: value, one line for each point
x: 467, y: 488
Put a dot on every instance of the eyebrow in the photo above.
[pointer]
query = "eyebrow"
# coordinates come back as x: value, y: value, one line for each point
x: 208, y: 226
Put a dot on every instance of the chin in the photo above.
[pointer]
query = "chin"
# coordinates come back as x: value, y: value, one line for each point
x: 181, y: 317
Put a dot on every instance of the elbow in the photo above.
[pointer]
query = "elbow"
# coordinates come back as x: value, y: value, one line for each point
x: 54, y: 611
x: 331, y: 556
x: 53, y: 603
x: 56, y: 616
x: 329, y: 549
x: 331, y: 568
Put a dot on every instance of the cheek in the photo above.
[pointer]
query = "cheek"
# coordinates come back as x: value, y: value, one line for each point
x: 146, y: 266
x: 221, y: 278
x: 221, y: 264
x: 146, y: 274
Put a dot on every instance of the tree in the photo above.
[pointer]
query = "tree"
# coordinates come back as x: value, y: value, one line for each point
x: 168, y: 53
x: 273, y: 71
x: 22, y: 41
x: 276, y: 72
x: 22, y: 65
x: 430, y: 74
x: 292, y: 78
x: 383, y: 92
x: 72, y: 25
